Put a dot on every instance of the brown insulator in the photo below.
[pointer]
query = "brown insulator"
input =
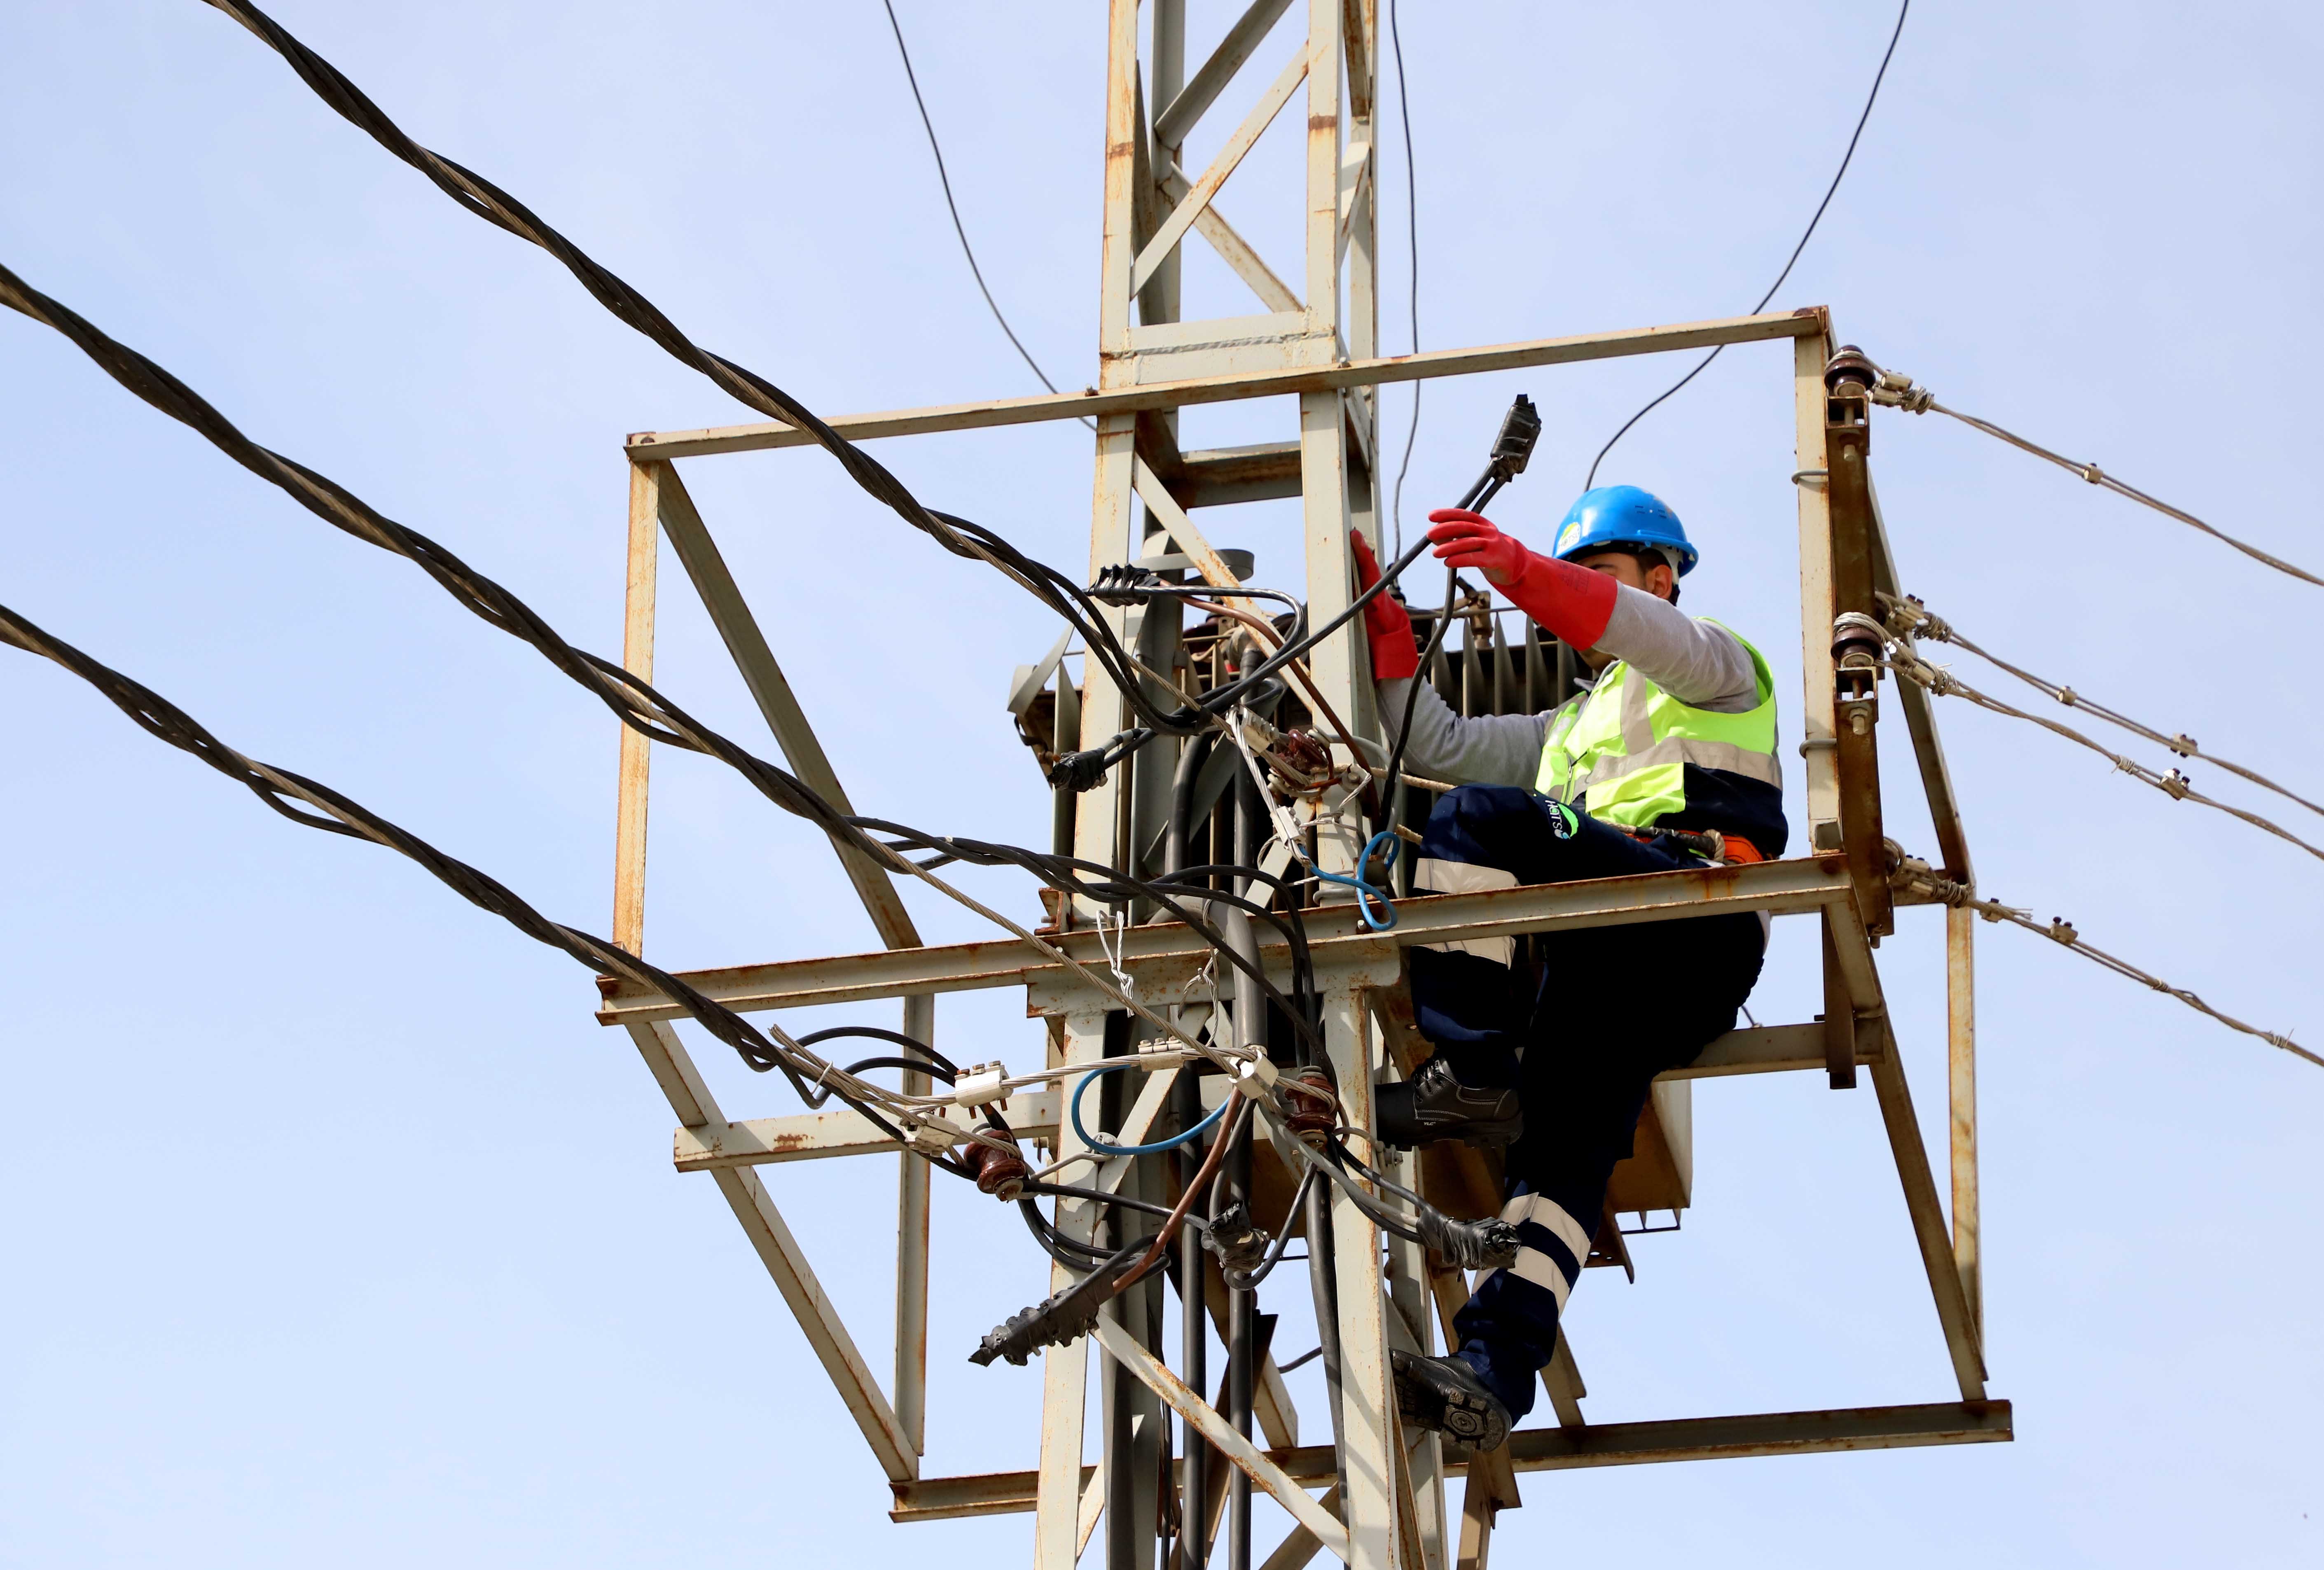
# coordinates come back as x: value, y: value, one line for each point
x: 1309, y: 1104
x: 1306, y: 753
x: 1850, y: 364
x: 1000, y: 1173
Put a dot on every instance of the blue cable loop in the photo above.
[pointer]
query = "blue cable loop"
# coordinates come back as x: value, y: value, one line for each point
x: 1100, y: 1144
x: 1367, y: 892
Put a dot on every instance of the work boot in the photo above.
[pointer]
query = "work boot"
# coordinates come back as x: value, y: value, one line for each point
x: 1445, y: 1394
x: 1434, y: 1105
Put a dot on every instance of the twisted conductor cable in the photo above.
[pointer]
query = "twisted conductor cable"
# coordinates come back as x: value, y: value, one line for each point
x: 312, y: 805
x: 486, y: 200
x: 632, y: 700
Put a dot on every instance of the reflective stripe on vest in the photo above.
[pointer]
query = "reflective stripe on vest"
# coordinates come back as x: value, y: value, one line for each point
x: 1622, y: 750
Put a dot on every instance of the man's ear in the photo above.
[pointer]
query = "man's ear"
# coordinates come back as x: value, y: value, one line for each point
x: 1661, y: 580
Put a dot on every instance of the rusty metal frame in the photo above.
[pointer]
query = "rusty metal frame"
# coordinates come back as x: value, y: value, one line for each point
x: 1318, y: 342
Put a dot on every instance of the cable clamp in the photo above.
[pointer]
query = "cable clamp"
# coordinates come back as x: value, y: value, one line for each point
x: 1254, y: 1076
x: 936, y: 1137
x: 980, y: 1084
x: 1895, y: 389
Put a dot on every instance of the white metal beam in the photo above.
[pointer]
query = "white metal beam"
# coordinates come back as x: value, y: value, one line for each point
x: 1163, y: 956
x: 1125, y: 1350
x: 689, y: 1098
x: 1229, y: 389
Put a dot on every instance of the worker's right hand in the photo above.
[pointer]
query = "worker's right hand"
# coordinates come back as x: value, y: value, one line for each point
x: 1466, y: 539
x: 1574, y: 602
x: 1395, y: 654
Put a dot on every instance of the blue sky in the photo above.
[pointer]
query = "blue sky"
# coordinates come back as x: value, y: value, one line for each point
x: 336, y: 1225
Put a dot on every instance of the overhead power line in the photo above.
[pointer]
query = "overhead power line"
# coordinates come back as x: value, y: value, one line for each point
x: 1909, y: 618
x: 632, y: 701
x: 944, y: 180
x: 343, y: 510
x: 315, y: 805
x: 486, y: 200
x: 1830, y: 191
x: 1897, y: 391
x: 1910, y: 666
x: 1916, y: 876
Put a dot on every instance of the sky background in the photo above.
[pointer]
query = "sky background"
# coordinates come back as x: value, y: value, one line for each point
x: 337, y: 1229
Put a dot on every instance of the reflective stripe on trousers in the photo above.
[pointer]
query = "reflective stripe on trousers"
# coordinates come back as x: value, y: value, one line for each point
x: 1432, y: 875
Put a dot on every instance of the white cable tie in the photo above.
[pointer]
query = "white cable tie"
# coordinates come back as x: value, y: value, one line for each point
x: 1121, y: 978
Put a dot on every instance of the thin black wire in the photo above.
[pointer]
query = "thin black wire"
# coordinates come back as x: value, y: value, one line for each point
x: 944, y: 180
x: 1412, y: 235
x: 1829, y: 192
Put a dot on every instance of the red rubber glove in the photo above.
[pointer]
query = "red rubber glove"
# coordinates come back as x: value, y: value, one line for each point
x: 1395, y: 655
x: 1573, y: 602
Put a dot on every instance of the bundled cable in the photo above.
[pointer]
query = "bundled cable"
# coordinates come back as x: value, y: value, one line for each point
x: 487, y: 201
x: 293, y: 796
x: 1468, y: 1246
x: 632, y: 700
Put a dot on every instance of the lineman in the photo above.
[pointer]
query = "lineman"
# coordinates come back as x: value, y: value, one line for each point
x: 1677, y: 732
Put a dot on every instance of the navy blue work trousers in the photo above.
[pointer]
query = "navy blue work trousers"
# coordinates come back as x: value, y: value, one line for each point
x: 1580, y: 1033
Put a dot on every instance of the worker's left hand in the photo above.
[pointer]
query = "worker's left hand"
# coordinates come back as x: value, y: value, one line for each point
x: 1466, y: 539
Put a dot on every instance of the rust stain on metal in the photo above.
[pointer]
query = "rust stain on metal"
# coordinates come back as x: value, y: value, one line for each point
x: 1718, y: 883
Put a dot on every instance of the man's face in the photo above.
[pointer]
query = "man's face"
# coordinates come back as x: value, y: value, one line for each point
x: 1623, y: 568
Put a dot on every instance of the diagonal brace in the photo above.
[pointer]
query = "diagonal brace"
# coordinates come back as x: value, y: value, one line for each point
x: 1247, y: 134
x: 1124, y: 1349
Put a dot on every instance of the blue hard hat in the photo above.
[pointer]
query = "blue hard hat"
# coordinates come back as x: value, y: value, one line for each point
x: 1618, y: 515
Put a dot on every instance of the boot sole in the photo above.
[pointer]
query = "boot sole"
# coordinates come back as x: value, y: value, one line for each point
x: 1456, y: 1414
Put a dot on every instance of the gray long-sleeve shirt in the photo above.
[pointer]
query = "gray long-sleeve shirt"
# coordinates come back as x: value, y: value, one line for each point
x: 1701, y: 665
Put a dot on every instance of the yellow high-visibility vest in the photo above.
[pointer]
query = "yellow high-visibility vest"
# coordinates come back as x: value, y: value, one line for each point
x: 1621, y: 754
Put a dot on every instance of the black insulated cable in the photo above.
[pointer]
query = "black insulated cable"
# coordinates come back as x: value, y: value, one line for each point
x: 1080, y: 770
x: 632, y: 700
x: 292, y: 795
x: 1512, y: 451
x: 487, y: 201
x: 943, y: 1066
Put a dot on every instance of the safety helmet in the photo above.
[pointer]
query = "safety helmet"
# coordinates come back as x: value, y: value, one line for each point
x: 1612, y: 516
